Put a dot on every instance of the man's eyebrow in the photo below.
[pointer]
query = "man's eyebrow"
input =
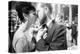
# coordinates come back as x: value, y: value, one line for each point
x: 41, y: 5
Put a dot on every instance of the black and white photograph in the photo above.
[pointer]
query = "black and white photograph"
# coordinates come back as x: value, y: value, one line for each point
x: 39, y: 26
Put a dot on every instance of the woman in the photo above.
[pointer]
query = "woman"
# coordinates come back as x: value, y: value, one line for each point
x: 22, y: 41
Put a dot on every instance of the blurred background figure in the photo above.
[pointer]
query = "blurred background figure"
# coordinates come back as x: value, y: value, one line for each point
x: 13, y: 19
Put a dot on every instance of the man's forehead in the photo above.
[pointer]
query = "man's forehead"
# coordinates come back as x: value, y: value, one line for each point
x: 42, y: 5
x: 39, y: 5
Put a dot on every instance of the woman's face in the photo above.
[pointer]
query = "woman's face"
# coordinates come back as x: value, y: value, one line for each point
x: 32, y: 17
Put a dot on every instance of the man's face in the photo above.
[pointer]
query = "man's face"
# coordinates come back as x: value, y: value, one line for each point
x: 40, y: 11
x: 13, y: 16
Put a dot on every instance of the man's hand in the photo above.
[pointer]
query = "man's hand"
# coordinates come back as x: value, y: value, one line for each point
x: 41, y: 32
x: 31, y: 33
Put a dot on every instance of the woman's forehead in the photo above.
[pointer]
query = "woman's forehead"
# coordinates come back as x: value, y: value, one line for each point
x: 32, y: 11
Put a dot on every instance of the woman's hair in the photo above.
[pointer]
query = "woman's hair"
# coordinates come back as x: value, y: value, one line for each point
x: 24, y: 7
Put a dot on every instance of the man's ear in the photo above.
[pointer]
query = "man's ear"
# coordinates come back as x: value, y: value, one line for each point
x: 46, y: 10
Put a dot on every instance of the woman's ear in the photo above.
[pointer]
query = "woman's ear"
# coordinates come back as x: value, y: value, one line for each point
x: 25, y: 16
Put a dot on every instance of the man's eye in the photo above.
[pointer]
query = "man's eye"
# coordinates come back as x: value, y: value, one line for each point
x: 34, y: 13
x: 38, y: 11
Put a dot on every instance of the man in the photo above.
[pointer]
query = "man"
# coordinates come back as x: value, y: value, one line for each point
x: 55, y: 39
x: 22, y: 41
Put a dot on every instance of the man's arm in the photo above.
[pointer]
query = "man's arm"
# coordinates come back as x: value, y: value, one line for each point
x: 59, y: 39
x: 41, y: 44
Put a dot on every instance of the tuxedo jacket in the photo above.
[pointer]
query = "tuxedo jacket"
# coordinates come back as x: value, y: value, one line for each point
x: 55, y: 40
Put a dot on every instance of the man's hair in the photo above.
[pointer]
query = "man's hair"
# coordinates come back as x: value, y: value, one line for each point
x: 24, y: 7
x: 49, y: 7
x: 44, y: 19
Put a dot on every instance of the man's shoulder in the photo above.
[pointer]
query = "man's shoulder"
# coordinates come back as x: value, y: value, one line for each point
x: 58, y: 26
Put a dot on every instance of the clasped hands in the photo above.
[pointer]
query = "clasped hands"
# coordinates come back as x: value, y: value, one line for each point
x: 39, y: 32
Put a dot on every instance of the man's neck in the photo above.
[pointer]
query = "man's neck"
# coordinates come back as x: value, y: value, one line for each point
x: 48, y: 20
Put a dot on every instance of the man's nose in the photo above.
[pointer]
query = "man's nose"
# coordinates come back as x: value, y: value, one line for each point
x: 36, y: 14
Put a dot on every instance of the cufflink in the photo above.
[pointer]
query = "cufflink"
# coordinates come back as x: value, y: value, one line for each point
x: 45, y: 35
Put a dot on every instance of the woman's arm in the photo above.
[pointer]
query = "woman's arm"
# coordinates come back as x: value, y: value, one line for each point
x: 20, y: 45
